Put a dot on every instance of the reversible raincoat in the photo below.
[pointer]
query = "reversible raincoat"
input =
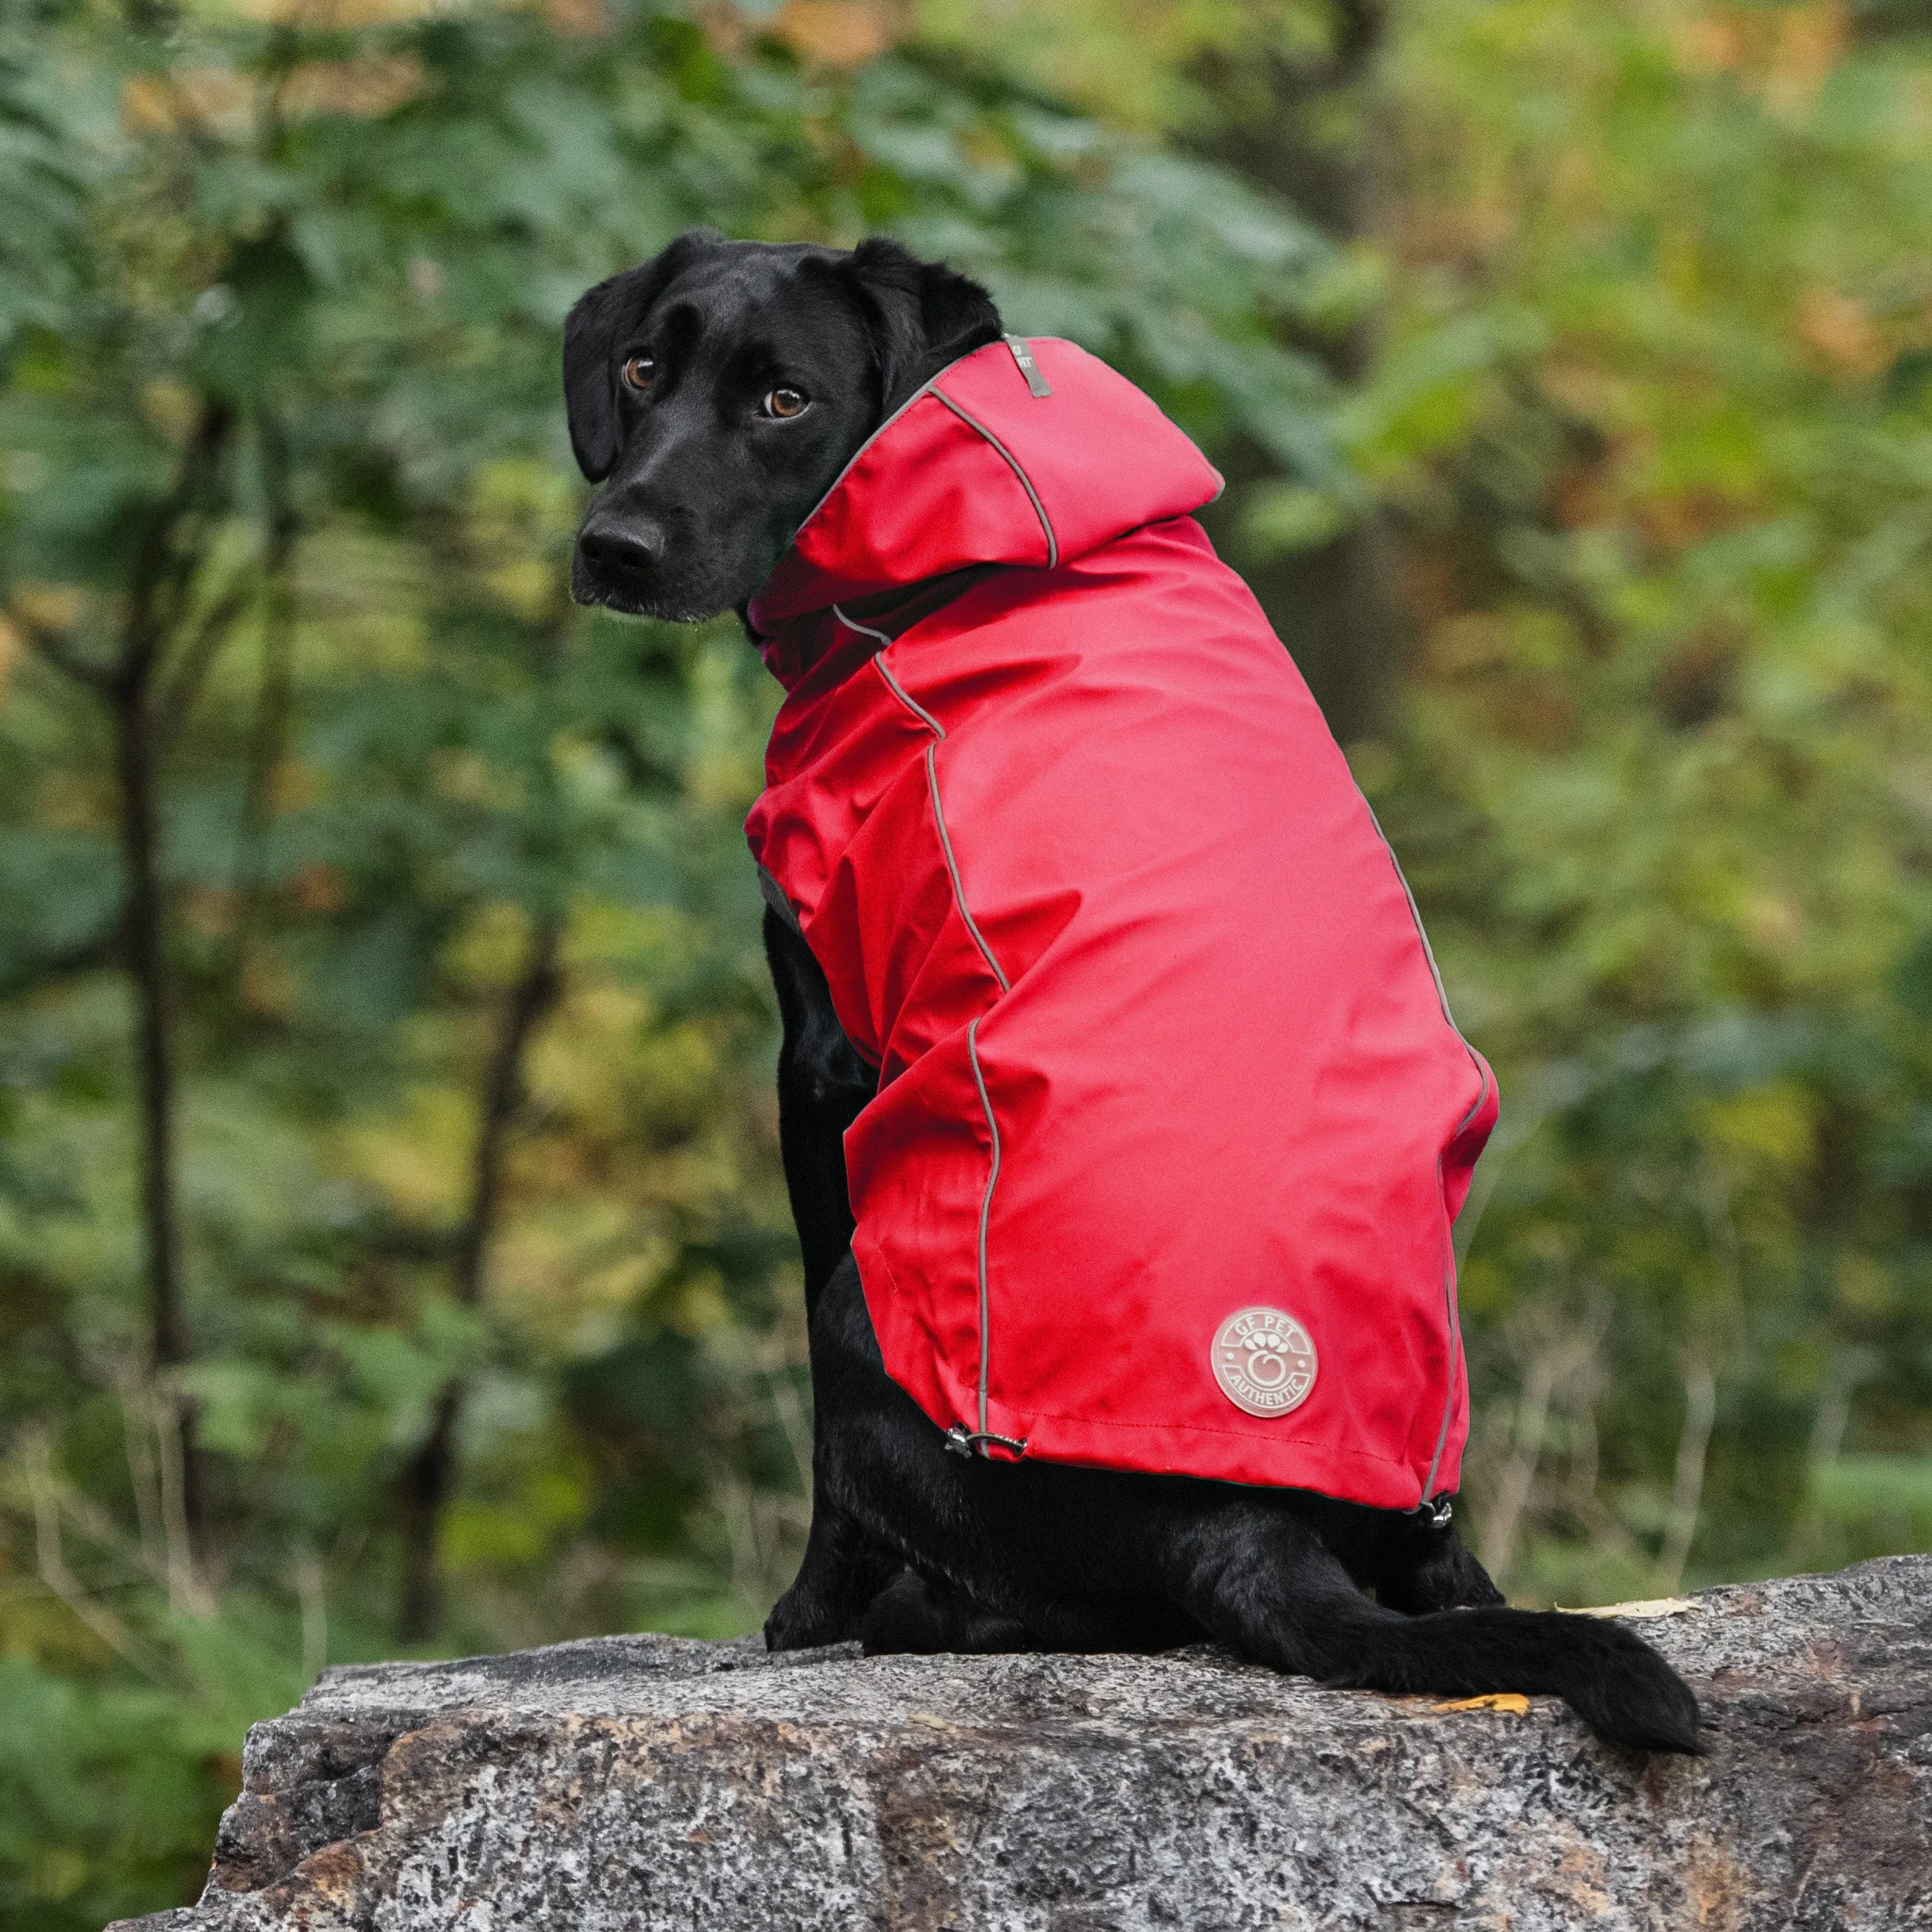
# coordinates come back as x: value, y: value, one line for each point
x: 1172, y: 1120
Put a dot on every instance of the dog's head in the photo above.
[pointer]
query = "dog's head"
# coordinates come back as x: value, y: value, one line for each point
x: 722, y: 387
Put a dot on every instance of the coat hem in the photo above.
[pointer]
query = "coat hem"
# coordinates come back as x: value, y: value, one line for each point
x: 1349, y: 1475
x: 1215, y: 1455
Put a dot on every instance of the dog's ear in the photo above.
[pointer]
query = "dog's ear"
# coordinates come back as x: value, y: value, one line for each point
x: 922, y: 315
x: 590, y: 333
x: 590, y: 380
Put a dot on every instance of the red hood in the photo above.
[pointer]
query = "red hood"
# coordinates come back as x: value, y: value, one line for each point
x: 990, y: 463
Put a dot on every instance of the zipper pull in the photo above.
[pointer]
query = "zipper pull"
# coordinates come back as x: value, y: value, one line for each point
x: 961, y: 1440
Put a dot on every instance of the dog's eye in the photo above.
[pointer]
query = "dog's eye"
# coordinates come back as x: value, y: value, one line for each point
x: 639, y: 370
x: 784, y: 404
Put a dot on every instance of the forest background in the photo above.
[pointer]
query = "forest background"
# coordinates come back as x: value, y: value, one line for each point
x: 393, y: 1253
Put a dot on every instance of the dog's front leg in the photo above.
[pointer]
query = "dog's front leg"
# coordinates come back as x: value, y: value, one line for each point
x: 822, y: 1083
x: 843, y: 1570
x: 1425, y: 1569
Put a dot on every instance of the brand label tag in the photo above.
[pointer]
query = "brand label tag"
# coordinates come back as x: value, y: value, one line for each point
x: 1264, y: 1361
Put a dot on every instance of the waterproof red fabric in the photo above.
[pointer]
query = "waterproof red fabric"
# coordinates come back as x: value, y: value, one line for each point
x: 1159, y: 1039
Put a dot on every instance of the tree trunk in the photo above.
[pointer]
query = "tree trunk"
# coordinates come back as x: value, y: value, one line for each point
x: 173, y: 548
x: 428, y: 1477
x: 1337, y: 608
x: 143, y: 940
x: 424, y: 1491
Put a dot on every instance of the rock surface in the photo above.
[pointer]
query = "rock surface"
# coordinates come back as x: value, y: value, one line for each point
x: 631, y: 1782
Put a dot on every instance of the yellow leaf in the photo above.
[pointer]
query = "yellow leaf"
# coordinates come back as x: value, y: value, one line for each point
x: 1513, y: 1703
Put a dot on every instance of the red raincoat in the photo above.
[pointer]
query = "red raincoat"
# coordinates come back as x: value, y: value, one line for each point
x: 1172, y: 1120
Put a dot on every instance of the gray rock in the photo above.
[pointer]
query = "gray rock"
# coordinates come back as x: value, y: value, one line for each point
x: 632, y: 1782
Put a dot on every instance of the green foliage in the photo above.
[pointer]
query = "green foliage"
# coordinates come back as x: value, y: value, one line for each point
x: 1647, y: 425
x: 1653, y: 405
x: 279, y: 305
x: 104, y: 1787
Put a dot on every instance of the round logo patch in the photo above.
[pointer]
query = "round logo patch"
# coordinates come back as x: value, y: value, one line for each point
x: 1264, y: 1361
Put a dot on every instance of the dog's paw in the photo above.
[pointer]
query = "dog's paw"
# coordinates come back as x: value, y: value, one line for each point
x: 911, y: 1617
x: 904, y: 1619
x: 1440, y: 1575
x: 799, y: 1621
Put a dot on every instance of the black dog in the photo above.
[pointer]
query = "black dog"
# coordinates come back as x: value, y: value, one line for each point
x: 721, y: 389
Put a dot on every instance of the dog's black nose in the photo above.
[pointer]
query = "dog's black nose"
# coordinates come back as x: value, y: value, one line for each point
x: 611, y: 546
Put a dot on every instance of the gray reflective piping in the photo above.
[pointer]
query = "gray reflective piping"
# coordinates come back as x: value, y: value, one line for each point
x: 1449, y: 1400
x: 1026, y: 481
x: 953, y: 866
x: 1482, y: 1091
x: 1482, y: 1094
x: 938, y: 731
x: 1415, y: 914
x: 985, y: 1214
x: 910, y: 703
x: 924, y: 389
x: 1448, y: 1273
x: 864, y: 630
x: 1435, y: 971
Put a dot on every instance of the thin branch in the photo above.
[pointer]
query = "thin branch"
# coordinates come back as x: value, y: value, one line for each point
x: 144, y: 1477
x: 1605, y: 1527
x: 191, y: 668
x: 1561, y: 1357
x: 146, y: 965
x: 734, y: 1504
x: 162, y: 564
x: 791, y: 1417
x: 173, y: 1433
x: 1700, y: 1382
x: 1687, y: 1499
x: 312, y: 1592
x: 189, y: 542
x: 99, y: 950
x: 60, y: 654
x: 164, y: 567
x: 269, y: 733
x: 267, y: 574
x: 92, y: 1521
x: 536, y: 991
x: 1501, y: 1522
x: 50, y: 1562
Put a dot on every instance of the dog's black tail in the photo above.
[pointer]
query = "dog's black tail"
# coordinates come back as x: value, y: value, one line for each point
x: 1322, y: 1626
x: 1610, y: 1677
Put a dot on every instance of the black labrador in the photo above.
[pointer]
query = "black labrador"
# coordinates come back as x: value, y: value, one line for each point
x: 717, y: 392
